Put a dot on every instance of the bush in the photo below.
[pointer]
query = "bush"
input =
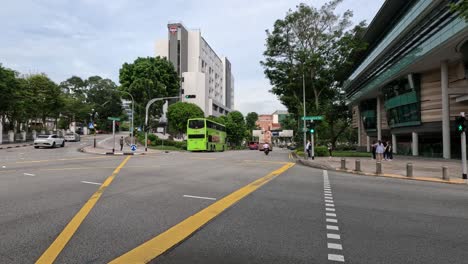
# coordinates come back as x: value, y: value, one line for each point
x: 321, y: 151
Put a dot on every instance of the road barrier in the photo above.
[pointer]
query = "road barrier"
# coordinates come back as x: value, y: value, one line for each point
x: 343, y: 163
x: 378, y: 167
x: 409, y: 170
x: 357, y: 165
x: 445, y: 174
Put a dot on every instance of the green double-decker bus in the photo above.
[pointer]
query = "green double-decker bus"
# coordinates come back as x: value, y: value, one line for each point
x: 205, y: 135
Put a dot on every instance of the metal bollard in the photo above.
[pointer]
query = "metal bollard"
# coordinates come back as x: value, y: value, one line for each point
x: 343, y: 163
x: 357, y: 165
x: 409, y: 170
x: 378, y: 167
x: 445, y: 174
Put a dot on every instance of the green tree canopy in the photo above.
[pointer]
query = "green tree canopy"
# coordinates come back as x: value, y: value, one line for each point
x: 148, y: 78
x: 250, y: 120
x: 235, y: 127
x: 178, y: 114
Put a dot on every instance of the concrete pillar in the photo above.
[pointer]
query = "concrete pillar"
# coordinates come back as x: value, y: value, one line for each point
x: 445, y: 110
x: 358, y: 113
x: 11, y: 136
x: 34, y: 134
x: 394, y: 144
x: 379, y: 119
x: 367, y: 143
x: 23, y: 136
x: 415, y: 144
x: 1, y: 132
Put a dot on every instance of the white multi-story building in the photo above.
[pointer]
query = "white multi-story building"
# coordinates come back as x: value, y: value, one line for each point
x: 203, y: 73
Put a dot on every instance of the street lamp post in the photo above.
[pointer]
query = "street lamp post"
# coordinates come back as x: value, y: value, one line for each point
x: 146, y: 115
x: 304, y: 114
x: 133, y: 116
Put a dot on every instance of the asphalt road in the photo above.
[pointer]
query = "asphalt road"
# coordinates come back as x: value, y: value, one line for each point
x: 231, y: 207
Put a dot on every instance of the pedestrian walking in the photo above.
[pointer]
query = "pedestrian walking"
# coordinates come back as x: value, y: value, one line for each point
x: 374, y: 146
x: 379, y: 150
x: 330, y: 149
x: 309, y: 149
x: 388, y: 154
x: 121, y: 143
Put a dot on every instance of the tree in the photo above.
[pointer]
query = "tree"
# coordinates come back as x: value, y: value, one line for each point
x: 10, y: 95
x: 250, y: 120
x: 235, y: 127
x: 178, y: 114
x: 315, y: 47
x: 148, y: 78
x: 461, y: 7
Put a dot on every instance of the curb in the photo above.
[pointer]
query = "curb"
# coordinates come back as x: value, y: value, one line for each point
x: 387, y: 175
x: 17, y: 146
x: 110, y: 153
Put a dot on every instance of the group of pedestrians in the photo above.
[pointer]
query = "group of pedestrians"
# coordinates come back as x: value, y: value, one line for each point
x: 382, y: 151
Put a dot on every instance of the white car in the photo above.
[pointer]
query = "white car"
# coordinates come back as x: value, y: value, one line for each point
x: 50, y: 141
x: 72, y: 137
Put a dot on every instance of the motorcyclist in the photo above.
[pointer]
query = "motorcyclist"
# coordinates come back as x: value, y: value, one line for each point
x: 266, y: 147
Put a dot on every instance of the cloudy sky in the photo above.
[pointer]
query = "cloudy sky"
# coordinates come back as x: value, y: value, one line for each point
x: 94, y: 37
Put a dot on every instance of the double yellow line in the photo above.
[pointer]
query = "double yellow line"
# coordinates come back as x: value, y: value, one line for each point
x: 57, y: 246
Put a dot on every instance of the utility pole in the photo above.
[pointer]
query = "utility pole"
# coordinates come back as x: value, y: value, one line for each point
x: 463, y: 146
x: 304, y: 114
x: 146, y: 115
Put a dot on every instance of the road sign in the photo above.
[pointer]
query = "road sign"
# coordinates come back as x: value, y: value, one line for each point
x: 275, y: 133
x: 113, y: 118
x: 189, y: 96
x: 133, y: 147
x: 91, y: 126
x: 312, y: 118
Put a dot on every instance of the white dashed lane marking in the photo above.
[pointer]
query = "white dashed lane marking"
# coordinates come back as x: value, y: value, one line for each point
x: 331, y: 218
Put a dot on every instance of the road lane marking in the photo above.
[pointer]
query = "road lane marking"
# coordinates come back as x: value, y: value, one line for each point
x: 156, y: 246
x: 333, y: 236
x: 335, y: 257
x: 62, y: 239
x: 51, y: 160
x: 96, y: 183
x: 329, y: 203
x: 199, y: 197
x: 335, y: 246
x: 29, y: 174
x: 200, y: 158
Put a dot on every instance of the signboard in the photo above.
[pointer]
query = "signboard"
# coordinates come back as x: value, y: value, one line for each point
x: 305, y: 129
x: 312, y: 118
x: 173, y: 29
x: 275, y: 133
x: 91, y: 126
x: 133, y: 147
x: 257, y: 133
x: 160, y: 129
x: 286, y: 133
x: 113, y: 118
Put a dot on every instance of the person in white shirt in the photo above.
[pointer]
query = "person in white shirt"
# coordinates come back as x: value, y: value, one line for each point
x: 308, y: 148
x: 380, y: 150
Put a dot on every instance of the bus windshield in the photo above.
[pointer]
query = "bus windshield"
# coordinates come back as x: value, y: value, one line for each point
x: 195, y: 124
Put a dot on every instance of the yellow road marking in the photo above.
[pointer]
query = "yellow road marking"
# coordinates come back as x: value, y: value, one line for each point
x: 176, y: 234
x: 265, y: 161
x: 57, y: 246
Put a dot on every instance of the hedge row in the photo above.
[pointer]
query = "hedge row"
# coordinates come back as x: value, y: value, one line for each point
x: 155, y: 141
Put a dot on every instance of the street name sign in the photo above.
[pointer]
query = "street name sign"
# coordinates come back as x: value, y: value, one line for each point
x: 312, y: 118
x: 113, y: 118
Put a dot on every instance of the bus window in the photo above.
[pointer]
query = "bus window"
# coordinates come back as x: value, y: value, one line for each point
x: 196, y: 124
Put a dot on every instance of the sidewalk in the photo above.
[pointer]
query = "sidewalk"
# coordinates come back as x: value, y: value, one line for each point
x: 104, y: 147
x: 424, y: 169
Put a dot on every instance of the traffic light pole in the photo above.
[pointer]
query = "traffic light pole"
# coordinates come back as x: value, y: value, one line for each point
x: 463, y: 152
x: 304, y: 114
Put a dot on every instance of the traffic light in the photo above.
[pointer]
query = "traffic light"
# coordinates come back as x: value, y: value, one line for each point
x: 460, y: 125
x: 189, y: 96
x: 311, y: 127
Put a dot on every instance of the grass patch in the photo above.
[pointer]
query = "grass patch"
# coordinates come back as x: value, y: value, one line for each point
x: 351, y: 153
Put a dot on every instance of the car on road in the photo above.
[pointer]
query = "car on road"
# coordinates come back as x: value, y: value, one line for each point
x: 253, y: 145
x: 72, y: 137
x: 50, y: 141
